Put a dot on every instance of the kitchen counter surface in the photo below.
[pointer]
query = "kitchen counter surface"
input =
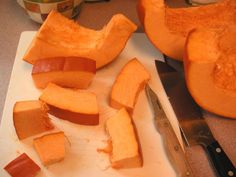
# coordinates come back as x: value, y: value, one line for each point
x: 14, y: 20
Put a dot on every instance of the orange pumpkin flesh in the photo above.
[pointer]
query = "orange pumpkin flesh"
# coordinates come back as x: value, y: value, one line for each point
x: 50, y: 147
x: 129, y: 82
x: 124, y: 141
x: 167, y: 28
x: 61, y: 37
x: 210, y: 69
x: 30, y: 118
x: 77, y: 106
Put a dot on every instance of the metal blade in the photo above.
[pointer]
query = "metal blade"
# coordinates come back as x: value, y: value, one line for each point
x: 190, y: 117
x: 193, y: 126
x: 177, y: 3
x: 157, y: 109
x: 192, y: 123
x: 188, y: 3
x: 173, y: 148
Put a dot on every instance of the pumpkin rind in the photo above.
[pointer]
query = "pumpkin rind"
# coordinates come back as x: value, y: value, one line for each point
x: 167, y: 28
x: 61, y: 37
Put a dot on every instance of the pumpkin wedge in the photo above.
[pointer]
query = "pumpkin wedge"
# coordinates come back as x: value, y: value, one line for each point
x: 72, y: 72
x: 167, y: 28
x: 125, y: 152
x: 61, y: 37
x: 22, y: 166
x: 77, y: 106
x: 30, y: 118
x: 210, y: 69
x: 129, y: 82
x: 50, y: 147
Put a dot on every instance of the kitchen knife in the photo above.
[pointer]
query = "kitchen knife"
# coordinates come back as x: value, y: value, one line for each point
x: 174, y: 150
x: 188, y: 3
x: 193, y: 126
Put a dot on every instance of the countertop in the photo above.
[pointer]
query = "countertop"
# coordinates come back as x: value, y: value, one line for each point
x: 14, y: 20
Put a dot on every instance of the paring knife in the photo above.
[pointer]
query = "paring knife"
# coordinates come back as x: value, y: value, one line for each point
x: 174, y: 150
x: 193, y: 126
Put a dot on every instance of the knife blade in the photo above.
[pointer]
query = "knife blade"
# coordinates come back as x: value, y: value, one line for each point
x: 201, y: 2
x: 174, y: 150
x: 193, y: 126
x: 188, y: 3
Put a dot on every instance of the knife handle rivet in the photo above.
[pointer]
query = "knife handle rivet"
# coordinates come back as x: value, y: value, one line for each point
x: 218, y: 150
x: 176, y: 147
x: 230, y: 173
x: 187, y: 173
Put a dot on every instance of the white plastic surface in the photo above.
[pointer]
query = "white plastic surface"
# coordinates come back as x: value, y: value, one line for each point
x: 82, y: 158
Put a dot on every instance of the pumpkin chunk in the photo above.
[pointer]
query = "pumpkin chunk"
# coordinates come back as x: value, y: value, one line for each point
x: 30, y: 118
x: 77, y: 106
x: 22, y: 166
x: 59, y: 36
x: 167, y: 28
x: 65, y: 71
x: 130, y: 81
x: 50, y: 148
x: 210, y: 66
x: 125, y: 146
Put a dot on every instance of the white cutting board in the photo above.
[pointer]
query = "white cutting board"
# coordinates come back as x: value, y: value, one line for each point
x: 82, y: 158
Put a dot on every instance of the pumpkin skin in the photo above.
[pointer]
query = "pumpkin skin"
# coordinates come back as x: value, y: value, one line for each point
x: 167, y: 28
x: 73, y: 72
x: 210, y: 69
x: 61, y: 37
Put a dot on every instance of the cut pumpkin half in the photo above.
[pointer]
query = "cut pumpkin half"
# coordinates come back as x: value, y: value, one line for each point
x: 167, y: 28
x: 210, y: 69
x: 61, y: 37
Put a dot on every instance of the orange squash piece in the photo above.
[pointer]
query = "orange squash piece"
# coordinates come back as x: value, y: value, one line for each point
x: 167, y: 28
x: 130, y: 81
x: 210, y: 69
x: 30, y: 118
x: 50, y: 148
x: 59, y: 36
x: 73, y: 72
x: 126, y: 151
x: 22, y: 166
x: 77, y: 106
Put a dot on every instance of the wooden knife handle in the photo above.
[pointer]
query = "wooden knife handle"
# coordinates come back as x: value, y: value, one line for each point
x: 220, y: 160
x: 174, y: 150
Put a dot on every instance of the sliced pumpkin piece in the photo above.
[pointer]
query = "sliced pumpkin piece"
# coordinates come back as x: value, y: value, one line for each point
x: 167, y: 28
x: 126, y: 151
x: 59, y: 36
x: 30, y: 118
x: 130, y: 81
x: 22, y: 166
x: 50, y: 147
x: 73, y: 72
x: 77, y: 106
x: 210, y: 69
